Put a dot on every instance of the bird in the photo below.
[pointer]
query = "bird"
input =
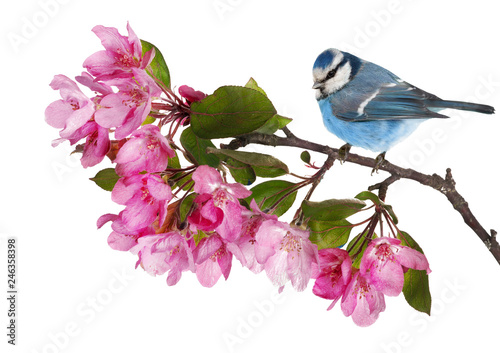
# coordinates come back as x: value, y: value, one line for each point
x: 368, y: 106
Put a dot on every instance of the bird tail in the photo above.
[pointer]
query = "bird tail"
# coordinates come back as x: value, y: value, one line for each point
x: 473, y: 107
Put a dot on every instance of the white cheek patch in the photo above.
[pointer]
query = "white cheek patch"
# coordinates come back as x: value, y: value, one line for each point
x: 340, y: 79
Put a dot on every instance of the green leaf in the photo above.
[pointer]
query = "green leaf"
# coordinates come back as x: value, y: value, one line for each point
x: 253, y: 85
x: 274, y: 124
x: 158, y: 64
x: 149, y: 120
x: 391, y: 212
x: 329, y: 234
x: 264, y: 165
x: 270, y: 192
x: 416, y: 290
x: 306, y: 157
x: 174, y: 162
x: 198, y: 236
x: 331, y: 210
x: 186, y: 206
x: 106, y: 179
x: 416, y: 285
x: 197, y: 147
x: 230, y: 111
x: 241, y: 172
x: 368, y: 195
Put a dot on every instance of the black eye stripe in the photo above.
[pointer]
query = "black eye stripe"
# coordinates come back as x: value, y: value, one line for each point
x: 331, y: 73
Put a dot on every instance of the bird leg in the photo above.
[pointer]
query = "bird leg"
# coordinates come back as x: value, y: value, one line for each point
x: 344, y: 152
x: 379, y: 160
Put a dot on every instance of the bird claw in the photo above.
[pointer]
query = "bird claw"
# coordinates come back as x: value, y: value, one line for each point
x: 379, y: 160
x: 344, y: 152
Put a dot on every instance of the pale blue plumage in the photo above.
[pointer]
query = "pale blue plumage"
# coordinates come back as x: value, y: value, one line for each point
x: 368, y: 106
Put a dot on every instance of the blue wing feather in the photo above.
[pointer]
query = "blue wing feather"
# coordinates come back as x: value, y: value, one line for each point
x: 395, y: 101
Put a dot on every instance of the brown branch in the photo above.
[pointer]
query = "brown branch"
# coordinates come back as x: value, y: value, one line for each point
x: 446, y: 185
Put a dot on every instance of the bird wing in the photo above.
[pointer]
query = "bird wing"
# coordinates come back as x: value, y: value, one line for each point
x: 392, y: 101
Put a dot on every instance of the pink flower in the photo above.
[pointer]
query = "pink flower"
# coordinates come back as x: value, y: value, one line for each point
x: 146, y: 198
x: 362, y: 301
x: 287, y: 253
x: 96, y: 145
x: 122, y: 238
x: 217, y: 203
x: 74, y: 113
x: 190, y: 94
x: 384, y: 262
x: 127, y: 109
x: 90, y: 82
x: 160, y: 253
x: 252, y: 220
x: 71, y: 112
x: 122, y: 54
x: 147, y: 150
x: 332, y: 273
x: 213, y: 257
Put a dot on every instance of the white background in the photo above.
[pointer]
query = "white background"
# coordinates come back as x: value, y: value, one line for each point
x: 449, y: 48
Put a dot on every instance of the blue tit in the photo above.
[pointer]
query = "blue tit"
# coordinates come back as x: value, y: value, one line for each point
x: 368, y: 106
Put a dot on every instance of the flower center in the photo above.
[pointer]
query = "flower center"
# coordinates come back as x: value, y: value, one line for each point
x: 74, y: 104
x: 384, y: 253
x: 219, y: 253
x: 250, y: 228
x: 220, y: 198
x: 153, y: 143
x: 362, y: 288
x: 145, y: 194
x: 175, y: 250
x: 135, y: 98
x: 126, y: 59
x: 290, y: 243
x: 335, y: 274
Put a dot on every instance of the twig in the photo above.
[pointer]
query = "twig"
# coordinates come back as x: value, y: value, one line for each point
x: 384, y: 186
x: 446, y: 185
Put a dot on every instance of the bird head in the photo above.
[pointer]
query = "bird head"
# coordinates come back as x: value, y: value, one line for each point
x: 332, y: 70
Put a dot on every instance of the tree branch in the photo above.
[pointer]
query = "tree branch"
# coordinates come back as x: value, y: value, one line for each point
x: 446, y: 185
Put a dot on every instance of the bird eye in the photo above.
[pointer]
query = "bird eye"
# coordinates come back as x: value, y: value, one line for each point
x: 331, y: 73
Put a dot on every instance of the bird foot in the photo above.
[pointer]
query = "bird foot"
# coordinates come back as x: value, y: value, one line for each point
x: 379, y: 160
x: 344, y: 152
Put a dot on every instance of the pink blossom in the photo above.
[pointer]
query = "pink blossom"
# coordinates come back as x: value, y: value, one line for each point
x: 362, y: 301
x: 287, y: 253
x: 127, y: 109
x: 217, y: 203
x: 122, y: 54
x: 122, y: 238
x: 160, y: 253
x: 74, y: 113
x: 213, y: 257
x: 71, y: 112
x: 385, y: 261
x: 190, y: 94
x: 252, y: 220
x: 96, y: 145
x: 146, y: 198
x: 332, y: 273
x: 98, y: 87
x: 147, y: 150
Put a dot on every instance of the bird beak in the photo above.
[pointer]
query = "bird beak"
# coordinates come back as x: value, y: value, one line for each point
x: 316, y: 85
